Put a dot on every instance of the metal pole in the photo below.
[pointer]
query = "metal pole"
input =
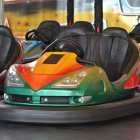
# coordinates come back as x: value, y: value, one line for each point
x: 70, y: 12
x: 1, y: 11
x: 98, y: 16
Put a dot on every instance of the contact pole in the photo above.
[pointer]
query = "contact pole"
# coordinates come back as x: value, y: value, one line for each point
x: 70, y: 12
x: 1, y: 11
x: 98, y: 6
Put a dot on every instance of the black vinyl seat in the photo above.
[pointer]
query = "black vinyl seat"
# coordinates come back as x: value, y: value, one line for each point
x: 46, y: 32
x: 116, y: 52
x: 49, y: 30
x: 135, y: 33
x: 113, y: 50
x: 70, y: 36
x: 10, y: 51
x: 10, y: 48
x: 83, y: 24
x: 71, y: 32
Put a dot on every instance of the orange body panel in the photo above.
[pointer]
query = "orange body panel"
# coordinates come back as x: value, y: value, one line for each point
x: 37, y: 74
x: 133, y: 81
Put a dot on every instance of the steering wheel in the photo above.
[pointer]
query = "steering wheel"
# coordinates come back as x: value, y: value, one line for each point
x: 37, y: 34
x: 68, y: 45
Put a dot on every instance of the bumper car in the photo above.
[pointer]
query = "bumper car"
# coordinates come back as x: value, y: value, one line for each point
x: 36, y: 40
x: 10, y: 52
x: 83, y: 77
x: 135, y: 34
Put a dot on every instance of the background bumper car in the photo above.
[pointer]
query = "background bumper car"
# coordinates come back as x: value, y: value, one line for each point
x: 10, y: 52
x: 37, y: 40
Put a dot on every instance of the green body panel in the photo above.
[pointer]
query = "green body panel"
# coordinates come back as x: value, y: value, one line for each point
x: 96, y: 84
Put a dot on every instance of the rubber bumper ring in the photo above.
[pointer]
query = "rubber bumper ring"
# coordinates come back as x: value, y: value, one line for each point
x: 69, y: 115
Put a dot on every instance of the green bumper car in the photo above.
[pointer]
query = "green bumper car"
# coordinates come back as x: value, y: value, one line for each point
x: 82, y: 77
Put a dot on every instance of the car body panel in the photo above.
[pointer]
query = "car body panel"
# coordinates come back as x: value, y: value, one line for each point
x: 37, y: 74
x: 32, y: 49
x: 96, y: 84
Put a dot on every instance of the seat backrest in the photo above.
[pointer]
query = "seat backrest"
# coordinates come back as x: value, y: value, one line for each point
x: 47, y: 30
x: 115, y: 52
x: 78, y: 35
x: 135, y: 33
x: 83, y: 24
x: 72, y: 32
x: 10, y: 48
x: 50, y: 28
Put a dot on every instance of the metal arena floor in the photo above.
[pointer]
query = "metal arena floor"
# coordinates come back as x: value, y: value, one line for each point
x: 127, y: 128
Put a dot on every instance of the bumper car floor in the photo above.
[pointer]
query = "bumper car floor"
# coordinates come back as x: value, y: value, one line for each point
x: 126, y: 128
